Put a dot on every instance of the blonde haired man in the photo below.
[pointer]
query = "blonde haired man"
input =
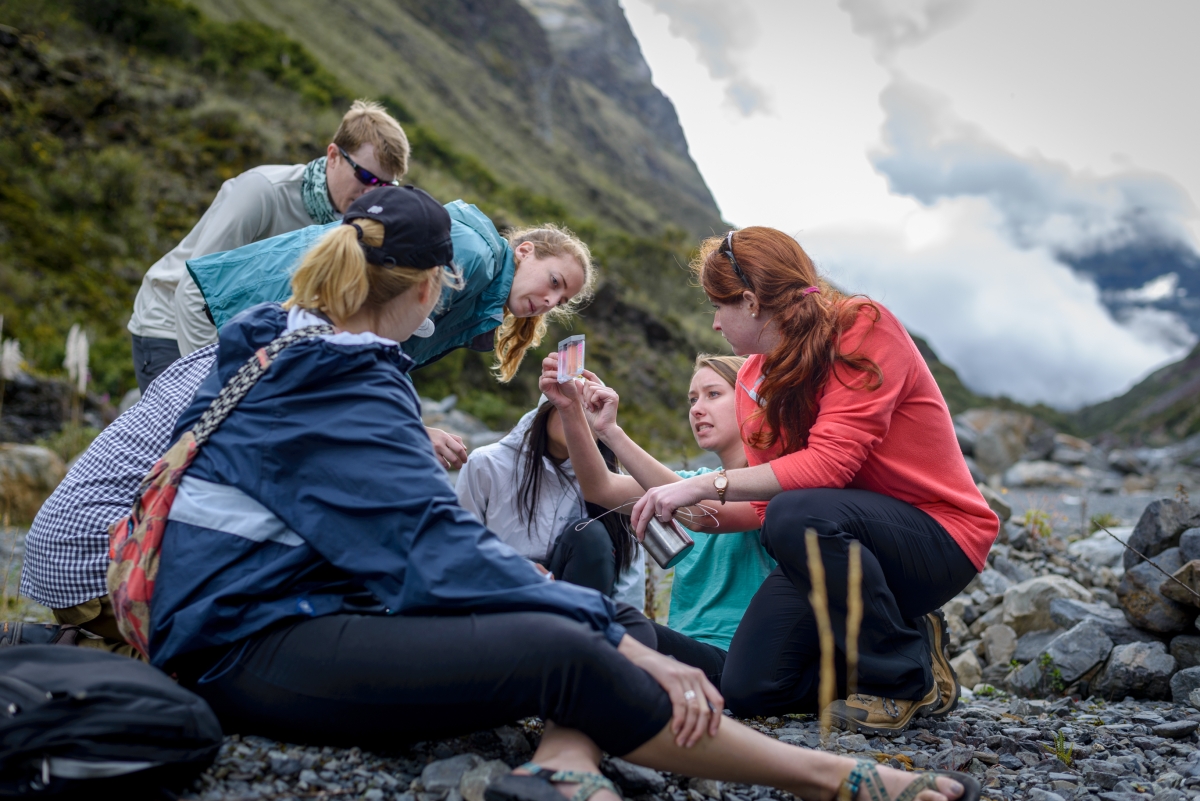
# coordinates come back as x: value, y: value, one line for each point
x: 169, y: 318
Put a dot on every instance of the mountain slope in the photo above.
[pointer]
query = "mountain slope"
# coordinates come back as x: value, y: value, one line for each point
x: 1163, y: 408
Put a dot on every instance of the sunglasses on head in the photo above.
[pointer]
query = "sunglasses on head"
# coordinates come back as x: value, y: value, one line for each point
x: 365, y: 176
x: 726, y: 250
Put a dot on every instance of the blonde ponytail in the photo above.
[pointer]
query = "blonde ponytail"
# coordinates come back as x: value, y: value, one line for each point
x: 516, y: 335
x: 336, y: 278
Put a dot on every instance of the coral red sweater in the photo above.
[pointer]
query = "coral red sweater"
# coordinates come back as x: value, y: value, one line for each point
x: 897, y: 440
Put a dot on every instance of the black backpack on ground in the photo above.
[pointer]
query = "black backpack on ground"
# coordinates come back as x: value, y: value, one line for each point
x: 80, y: 721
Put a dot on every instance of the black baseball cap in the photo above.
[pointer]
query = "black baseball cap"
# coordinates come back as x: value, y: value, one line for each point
x: 416, y: 228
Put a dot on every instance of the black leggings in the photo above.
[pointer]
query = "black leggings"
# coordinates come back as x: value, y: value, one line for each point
x: 584, y: 556
x: 911, y: 566
x: 380, y: 681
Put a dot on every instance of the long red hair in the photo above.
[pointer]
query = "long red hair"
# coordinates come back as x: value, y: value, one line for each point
x: 810, y: 328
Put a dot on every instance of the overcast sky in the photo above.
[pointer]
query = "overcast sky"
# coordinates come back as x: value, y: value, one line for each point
x: 944, y: 155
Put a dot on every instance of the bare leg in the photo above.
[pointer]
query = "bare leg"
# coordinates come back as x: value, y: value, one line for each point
x: 736, y: 754
x: 742, y: 755
x: 569, y: 749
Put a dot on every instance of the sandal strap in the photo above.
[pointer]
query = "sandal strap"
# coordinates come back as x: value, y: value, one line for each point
x: 589, y: 783
x: 864, y: 773
x: 926, y: 781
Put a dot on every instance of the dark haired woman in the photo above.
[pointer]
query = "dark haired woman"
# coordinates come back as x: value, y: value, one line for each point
x: 546, y: 519
x: 846, y: 433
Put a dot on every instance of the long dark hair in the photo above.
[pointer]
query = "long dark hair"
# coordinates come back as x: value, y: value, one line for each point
x: 811, y: 325
x: 536, y: 446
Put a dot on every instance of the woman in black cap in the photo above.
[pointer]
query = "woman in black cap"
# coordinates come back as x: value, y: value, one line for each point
x: 319, y: 581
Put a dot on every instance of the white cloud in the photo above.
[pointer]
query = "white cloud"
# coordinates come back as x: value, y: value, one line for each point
x: 720, y: 30
x: 1012, y: 321
x: 894, y: 24
x: 931, y: 154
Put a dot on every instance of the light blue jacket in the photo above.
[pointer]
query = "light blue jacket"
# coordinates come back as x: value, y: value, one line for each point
x: 235, y: 280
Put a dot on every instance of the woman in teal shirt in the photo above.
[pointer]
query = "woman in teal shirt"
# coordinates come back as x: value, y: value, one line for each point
x: 714, y: 583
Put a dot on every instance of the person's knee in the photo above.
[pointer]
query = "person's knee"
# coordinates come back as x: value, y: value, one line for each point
x: 590, y: 541
x: 749, y: 695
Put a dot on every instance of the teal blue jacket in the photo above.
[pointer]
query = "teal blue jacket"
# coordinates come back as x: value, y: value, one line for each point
x: 237, y: 279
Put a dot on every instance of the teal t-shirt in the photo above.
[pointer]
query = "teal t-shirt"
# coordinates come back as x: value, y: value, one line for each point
x: 714, y: 583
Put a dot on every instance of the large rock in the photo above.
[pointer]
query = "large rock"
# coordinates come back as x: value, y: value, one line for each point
x: 1100, y: 550
x: 999, y: 644
x: 1027, y: 605
x: 633, y: 779
x: 1139, y: 669
x: 997, y: 504
x: 1067, y: 658
x: 1073, y: 451
x: 1002, y: 438
x: 1041, y: 474
x: 447, y: 774
x: 1182, y: 684
x: 1185, y: 588
x: 1014, y: 571
x: 1186, y: 650
x: 1067, y: 612
x: 1189, y: 544
x: 1032, y: 643
x: 28, y: 474
x: 1159, y: 528
x: 967, y: 668
x: 1141, y: 596
x: 992, y: 582
x: 476, y: 780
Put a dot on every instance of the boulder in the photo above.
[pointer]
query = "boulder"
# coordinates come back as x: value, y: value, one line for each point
x: 977, y: 475
x: 967, y: 437
x: 633, y: 779
x: 1139, y: 669
x: 1100, y: 550
x: 1125, y: 462
x: 1186, y: 650
x: 997, y: 504
x: 28, y: 474
x: 1067, y: 612
x: 1014, y: 571
x: 1189, y: 544
x: 1033, y: 643
x: 1000, y: 644
x: 1041, y: 474
x: 476, y: 780
x: 1160, y: 527
x: 1141, y: 596
x: 1189, y: 577
x: 1027, y: 605
x: 446, y: 774
x: 1000, y: 437
x: 1183, y: 683
x: 990, y: 581
x: 966, y: 666
x: 1065, y: 659
x: 1072, y: 451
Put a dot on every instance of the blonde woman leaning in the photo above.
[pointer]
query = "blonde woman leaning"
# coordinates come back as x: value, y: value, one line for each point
x: 305, y: 599
x: 508, y: 289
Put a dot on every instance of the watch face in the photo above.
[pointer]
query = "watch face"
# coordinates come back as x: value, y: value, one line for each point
x: 721, y: 482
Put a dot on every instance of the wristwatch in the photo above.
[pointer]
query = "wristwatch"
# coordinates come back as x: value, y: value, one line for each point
x: 721, y: 482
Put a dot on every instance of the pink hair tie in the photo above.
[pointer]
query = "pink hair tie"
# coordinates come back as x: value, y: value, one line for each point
x: 811, y: 290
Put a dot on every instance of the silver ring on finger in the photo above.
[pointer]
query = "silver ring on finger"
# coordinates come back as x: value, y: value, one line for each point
x: 690, y: 695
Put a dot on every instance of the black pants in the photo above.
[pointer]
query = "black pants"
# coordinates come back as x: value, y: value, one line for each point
x: 584, y: 557
x: 708, y: 658
x: 380, y: 681
x: 152, y: 355
x: 911, y: 566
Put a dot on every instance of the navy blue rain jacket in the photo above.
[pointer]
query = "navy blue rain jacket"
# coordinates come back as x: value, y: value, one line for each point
x: 321, y: 494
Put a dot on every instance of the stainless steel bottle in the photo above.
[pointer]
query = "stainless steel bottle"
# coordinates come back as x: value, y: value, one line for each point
x: 667, y: 543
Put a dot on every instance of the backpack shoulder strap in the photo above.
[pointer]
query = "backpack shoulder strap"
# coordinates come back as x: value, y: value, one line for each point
x: 246, y: 377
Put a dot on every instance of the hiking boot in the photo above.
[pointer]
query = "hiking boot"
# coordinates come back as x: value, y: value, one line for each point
x: 944, y: 677
x: 871, y: 714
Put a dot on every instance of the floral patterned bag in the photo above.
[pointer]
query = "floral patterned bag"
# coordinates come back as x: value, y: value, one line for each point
x: 135, y: 541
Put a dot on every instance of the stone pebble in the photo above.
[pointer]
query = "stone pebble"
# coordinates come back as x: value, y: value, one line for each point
x: 1089, y: 750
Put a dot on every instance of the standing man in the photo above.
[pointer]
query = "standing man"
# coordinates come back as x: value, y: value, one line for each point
x: 369, y: 149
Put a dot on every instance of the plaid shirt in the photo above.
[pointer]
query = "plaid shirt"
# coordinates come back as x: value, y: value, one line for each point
x: 66, y: 550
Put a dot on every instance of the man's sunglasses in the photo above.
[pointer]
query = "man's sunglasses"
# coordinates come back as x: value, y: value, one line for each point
x: 365, y: 176
x: 726, y: 250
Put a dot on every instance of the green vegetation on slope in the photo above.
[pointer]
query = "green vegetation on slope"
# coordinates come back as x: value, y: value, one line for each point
x: 111, y: 146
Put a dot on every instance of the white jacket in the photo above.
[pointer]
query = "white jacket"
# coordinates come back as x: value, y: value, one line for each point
x: 260, y: 203
x: 488, y: 486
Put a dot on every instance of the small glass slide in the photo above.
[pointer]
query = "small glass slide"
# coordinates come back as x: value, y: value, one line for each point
x: 570, y: 359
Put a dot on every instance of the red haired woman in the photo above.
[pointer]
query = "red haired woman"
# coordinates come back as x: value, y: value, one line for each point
x: 846, y: 433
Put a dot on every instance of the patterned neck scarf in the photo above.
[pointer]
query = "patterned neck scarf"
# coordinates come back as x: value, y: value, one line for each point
x: 315, y: 193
